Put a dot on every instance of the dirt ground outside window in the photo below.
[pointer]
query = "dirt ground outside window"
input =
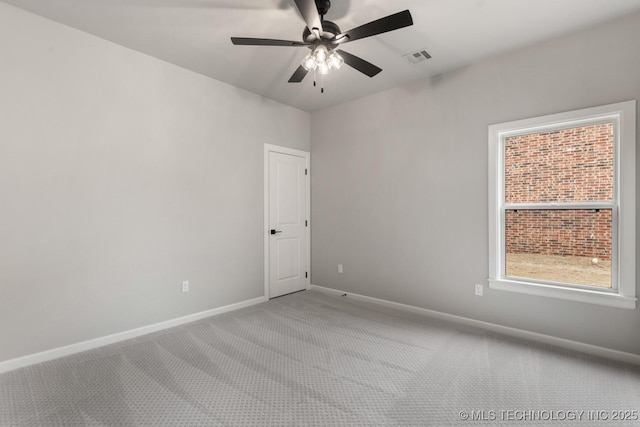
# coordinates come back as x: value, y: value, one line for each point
x: 558, y: 268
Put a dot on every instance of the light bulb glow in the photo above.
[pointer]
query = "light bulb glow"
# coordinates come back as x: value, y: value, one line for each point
x: 335, y: 61
x: 309, y: 62
x: 321, y: 53
x: 323, y: 68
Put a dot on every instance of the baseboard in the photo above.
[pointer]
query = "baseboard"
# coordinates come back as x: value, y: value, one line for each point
x: 68, y: 350
x: 594, y: 350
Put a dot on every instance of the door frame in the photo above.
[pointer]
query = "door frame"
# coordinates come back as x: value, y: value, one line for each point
x: 270, y: 148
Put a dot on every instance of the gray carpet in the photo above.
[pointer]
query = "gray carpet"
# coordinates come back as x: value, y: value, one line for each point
x: 321, y: 360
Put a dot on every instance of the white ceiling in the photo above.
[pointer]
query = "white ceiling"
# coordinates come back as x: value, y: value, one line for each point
x: 195, y: 34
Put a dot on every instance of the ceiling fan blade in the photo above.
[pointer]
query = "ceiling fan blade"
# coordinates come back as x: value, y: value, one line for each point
x: 248, y: 41
x: 359, y: 64
x: 298, y: 75
x: 379, y: 26
x: 309, y: 12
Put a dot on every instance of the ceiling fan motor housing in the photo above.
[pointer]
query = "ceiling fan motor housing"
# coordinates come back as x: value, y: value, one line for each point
x: 329, y: 31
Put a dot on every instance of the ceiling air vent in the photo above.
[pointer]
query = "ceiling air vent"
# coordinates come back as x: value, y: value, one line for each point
x: 417, y: 57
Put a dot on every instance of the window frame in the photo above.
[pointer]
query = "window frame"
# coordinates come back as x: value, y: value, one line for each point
x: 622, y: 293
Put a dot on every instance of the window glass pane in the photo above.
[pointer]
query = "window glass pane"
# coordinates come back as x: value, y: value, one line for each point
x: 568, y: 246
x: 569, y: 165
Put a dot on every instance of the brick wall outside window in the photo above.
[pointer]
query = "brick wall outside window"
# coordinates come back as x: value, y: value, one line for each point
x: 560, y: 232
x: 571, y: 165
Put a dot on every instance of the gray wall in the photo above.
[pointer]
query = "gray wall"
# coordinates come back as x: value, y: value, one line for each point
x: 120, y: 176
x: 399, y: 184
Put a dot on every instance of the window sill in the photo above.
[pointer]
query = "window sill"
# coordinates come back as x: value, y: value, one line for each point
x: 589, y: 296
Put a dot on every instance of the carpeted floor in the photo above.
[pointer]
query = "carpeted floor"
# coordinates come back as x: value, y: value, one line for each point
x: 316, y: 359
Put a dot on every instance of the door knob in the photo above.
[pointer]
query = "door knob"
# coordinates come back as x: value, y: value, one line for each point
x: 275, y: 231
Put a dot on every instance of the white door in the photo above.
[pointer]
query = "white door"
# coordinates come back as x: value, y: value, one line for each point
x: 287, y: 224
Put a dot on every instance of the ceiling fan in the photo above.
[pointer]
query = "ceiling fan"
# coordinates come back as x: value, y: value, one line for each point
x: 325, y: 37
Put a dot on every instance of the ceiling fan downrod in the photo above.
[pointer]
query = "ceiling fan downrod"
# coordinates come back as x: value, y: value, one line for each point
x: 323, y: 7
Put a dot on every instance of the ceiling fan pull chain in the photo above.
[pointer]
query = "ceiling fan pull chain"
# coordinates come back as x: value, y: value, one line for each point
x: 322, y: 83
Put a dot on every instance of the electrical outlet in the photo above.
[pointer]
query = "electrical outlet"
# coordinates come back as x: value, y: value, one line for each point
x: 479, y: 290
x: 339, y: 268
x: 185, y: 286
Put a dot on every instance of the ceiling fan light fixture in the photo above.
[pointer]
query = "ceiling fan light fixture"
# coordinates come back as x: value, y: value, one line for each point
x: 321, y: 60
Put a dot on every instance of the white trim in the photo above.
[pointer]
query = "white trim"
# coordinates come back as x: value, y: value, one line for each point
x: 589, y: 296
x: 286, y: 150
x: 623, y: 274
x: 594, y: 350
x: 270, y: 148
x: 68, y: 350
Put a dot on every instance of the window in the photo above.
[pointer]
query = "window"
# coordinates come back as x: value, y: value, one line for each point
x: 562, y: 205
